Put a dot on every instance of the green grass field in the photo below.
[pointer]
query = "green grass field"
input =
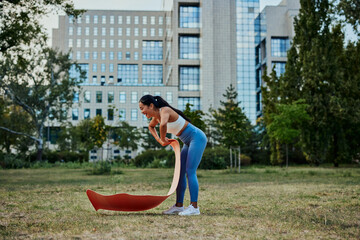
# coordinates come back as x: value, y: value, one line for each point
x: 259, y: 203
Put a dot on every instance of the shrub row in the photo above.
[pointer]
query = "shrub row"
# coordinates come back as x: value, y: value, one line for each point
x: 213, y: 158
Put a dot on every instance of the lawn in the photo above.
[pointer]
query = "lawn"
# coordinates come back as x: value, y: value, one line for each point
x: 259, y: 203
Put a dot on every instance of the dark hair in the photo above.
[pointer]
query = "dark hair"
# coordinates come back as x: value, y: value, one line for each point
x: 159, y: 102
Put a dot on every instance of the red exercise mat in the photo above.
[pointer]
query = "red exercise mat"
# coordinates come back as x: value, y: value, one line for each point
x: 128, y: 202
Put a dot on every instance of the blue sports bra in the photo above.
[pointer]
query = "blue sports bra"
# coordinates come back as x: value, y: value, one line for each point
x: 175, y: 127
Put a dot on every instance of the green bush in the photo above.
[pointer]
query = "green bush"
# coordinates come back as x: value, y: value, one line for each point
x: 54, y: 156
x: 219, y: 158
x: 101, y: 168
x: 12, y: 161
x: 163, y: 157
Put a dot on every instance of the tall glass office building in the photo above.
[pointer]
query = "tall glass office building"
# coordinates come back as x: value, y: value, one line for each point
x: 246, y: 13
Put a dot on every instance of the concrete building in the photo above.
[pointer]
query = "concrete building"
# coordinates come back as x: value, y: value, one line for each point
x: 190, y: 54
x: 274, y: 34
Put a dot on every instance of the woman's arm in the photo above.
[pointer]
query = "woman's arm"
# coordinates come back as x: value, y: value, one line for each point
x: 152, y: 129
x: 165, y: 115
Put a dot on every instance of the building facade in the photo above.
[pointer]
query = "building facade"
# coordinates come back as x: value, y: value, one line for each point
x: 274, y: 34
x: 190, y: 54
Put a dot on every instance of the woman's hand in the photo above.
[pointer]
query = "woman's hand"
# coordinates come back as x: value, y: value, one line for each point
x: 164, y: 143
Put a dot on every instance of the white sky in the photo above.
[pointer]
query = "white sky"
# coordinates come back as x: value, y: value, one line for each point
x: 52, y: 21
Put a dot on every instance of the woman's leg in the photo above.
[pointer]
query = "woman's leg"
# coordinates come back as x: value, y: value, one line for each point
x: 195, y: 152
x: 180, y: 190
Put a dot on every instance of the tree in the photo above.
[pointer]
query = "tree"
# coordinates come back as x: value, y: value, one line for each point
x: 38, y: 81
x: 20, y: 20
x: 195, y: 116
x: 127, y: 136
x: 231, y: 123
x: 350, y: 10
x: 286, y: 125
x: 13, y: 116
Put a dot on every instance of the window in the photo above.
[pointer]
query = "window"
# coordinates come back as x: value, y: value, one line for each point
x: 279, y: 68
x: 110, y: 97
x: 87, y: 19
x: 144, y: 33
x: 103, y: 31
x: 95, y: 43
x: 110, y: 115
x: 136, y: 56
x: 134, y: 114
x: 144, y: 20
x: 128, y: 32
x: 87, y: 31
x: 70, y: 43
x: 78, y: 43
x: 128, y: 43
x: 161, y: 20
x: 152, y: 20
x: 152, y: 74
x: 96, y: 19
x: 94, y: 79
x: 136, y: 20
x: 86, y: 113
x: 76, y: 97
x: 94, y: 67
x: 103, y: 67
x: 127, y: 56
x: 119, y: 43
x: 119, y: 31
x: 182, y: 101
x: 103, y: 55
x: 279, y: 47
x: 87, y: 96
x: 87, y: 43
x: 86, y: 55
x: 122, y: 114
x: 119, y: 55
x: 152, y: 50
x: 152, y: 32
x: 75, y: 114
x: 99, y: 112
x: 189, y: 47
x: 98, y: 96
x: 78, y: 19
x: 122, y: 97
x: 111, y: 55
x: 112, y: 31
x: 102, y: 80
x: 111, y: 43
x: 136, y: 43
x: 136, y: 32
x: 71, y: 19
x: 71, y: 31
x: 112, y: 19
x: 189, y: 17
x: 160, y: 32
x: 103, y: 19
x: 169, y: 97
x: 120, y: 19
x: 189, y: 78
x: 128, y: 19
x: 128, y: 73
x: 134, y: 97
x: 78, y: 31
x: 111, y: 67
x: 111, y: 79
x: 103, y: 43
x: 95, y: 55
x: 95, y: 31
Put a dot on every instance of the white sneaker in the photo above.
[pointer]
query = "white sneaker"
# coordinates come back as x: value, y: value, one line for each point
x: 190, y: 211
x: 173, y: 210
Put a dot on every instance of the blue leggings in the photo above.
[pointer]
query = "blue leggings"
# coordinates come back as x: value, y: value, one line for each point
x: 194, y: 145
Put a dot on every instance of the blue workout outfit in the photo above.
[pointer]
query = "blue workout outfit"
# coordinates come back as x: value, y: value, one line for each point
x: 194, y: 145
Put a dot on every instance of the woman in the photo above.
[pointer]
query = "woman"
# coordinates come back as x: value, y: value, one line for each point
x: 174, y: 121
